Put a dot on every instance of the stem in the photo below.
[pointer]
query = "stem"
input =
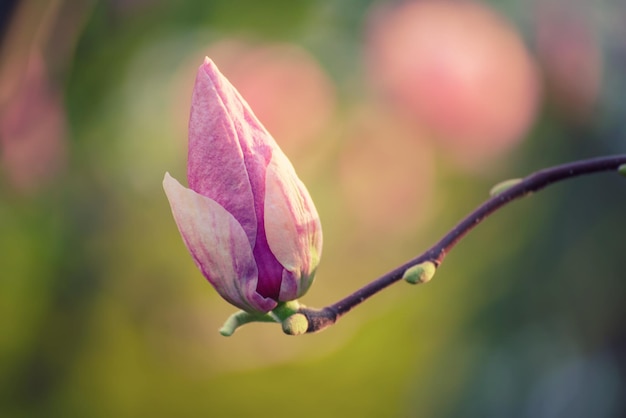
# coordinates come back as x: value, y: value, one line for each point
x: 322, y: 318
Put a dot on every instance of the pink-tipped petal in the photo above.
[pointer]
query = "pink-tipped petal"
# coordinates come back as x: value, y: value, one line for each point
x: 218, y: 141
x: 219, y: 246
x: 292, y: 225
x: 229, y: 151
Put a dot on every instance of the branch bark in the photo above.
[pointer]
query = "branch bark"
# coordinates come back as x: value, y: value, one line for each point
x: 319, y: 319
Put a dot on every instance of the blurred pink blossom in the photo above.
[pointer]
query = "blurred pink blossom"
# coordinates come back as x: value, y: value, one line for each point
x: 33, y: 129
x: 386, y: 172
x: 460, y: 70
x: 570, y: 55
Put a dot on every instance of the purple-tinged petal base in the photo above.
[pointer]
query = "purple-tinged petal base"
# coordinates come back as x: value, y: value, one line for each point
x: 292, y: 226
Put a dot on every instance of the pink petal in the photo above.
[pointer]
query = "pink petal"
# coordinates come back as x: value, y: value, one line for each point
x: 219, y: 246
x: 292, y: 225
x: 229, y: 150
x: 220, y: 130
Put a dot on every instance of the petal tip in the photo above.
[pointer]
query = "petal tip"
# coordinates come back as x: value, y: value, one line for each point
x: 209, y: 66
x: 168, y: 181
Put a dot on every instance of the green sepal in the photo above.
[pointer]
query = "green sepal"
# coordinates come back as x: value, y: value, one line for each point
x: 622, y: 170
x: 285, y: 309
x: 421, y: 273
x: 241, y: 318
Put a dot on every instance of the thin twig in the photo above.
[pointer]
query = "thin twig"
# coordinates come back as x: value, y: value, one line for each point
x: 319, y: 319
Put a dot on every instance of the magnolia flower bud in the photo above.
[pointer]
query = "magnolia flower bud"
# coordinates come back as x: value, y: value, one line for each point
x: 247, y: 219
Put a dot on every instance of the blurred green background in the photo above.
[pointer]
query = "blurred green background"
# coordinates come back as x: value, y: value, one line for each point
x: 103, y: 313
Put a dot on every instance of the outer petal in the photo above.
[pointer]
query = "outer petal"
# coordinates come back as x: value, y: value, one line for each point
x: 218, y: 129
x: 219, y: 246
x: 292, y: 226
x: 229, y: 150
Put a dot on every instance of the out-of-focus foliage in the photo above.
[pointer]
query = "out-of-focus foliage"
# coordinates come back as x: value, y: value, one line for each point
x: 102, y: 312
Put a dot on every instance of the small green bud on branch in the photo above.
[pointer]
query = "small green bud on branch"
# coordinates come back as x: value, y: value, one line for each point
x: 503, y: 186
x: 421, y: 273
